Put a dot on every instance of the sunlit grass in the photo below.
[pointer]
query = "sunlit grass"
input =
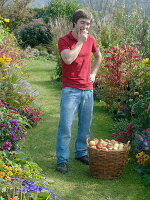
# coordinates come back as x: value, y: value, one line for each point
x: 40, y: 146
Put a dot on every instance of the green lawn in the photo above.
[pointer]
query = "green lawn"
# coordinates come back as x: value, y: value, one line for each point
x: 41, y: 140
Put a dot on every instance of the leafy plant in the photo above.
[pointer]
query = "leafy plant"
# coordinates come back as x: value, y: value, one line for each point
x: 118, y: 72
x: 13, y: 127
x: 122, y: 131
x: 33, y: 33
x: 21, y: 178
x: 143, y: 166
x: 33, y: 115
x: 59, y: 9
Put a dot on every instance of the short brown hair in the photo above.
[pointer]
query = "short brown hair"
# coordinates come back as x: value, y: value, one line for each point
x: 81, y: 13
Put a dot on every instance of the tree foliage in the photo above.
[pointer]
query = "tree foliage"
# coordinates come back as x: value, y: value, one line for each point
x: 17, y: 11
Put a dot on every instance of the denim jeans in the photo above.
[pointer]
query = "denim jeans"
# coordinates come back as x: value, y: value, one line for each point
x: 74, y: 100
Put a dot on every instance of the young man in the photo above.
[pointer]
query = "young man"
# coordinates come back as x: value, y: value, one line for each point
x: 78, y: 75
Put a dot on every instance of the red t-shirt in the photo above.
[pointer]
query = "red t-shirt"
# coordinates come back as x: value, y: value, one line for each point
x: 77, y: 74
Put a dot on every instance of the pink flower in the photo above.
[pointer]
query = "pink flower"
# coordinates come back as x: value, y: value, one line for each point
x: 7, y: 146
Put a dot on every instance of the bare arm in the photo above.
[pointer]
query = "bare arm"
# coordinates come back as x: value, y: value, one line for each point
x: 68, y: 55
x: 95, y: 65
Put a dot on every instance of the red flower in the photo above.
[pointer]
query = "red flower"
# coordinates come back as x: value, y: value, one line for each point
x: 145, y: 111
x: 148, y: 130
x: 13, y: 121
x: 15, y: 112
x: 120, y: 139
x: 9, y: 115
x: 5, y: 103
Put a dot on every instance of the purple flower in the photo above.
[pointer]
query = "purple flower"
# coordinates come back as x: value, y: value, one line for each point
x: 7, y: 145
x: 13, y: 137
x: 2, y: 125
x: 31, y: 187
x: 25, y: 132
x: 23, y: 139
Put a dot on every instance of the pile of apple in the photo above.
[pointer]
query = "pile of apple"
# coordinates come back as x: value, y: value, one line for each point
x: 106, y: 145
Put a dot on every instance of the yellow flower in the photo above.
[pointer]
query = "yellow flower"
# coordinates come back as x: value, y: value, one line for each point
x: 146, y: 156
x: 7, y: 20
x: 9, y: 168
x: 140, y: 154
x: 145, y: 60
x: 4, y: 59
x: 7, y: 178
x: 2, y: 174
x: 19, y: 171
x: 17, y: 66
x: 1, y: 21
x: 4, y: 77
x: 10, y: 173
x: 4, y: 70
x: 140, y: 162
x: 4, y: 165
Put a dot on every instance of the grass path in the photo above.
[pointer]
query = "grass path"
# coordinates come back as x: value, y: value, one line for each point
x: 41, y: 141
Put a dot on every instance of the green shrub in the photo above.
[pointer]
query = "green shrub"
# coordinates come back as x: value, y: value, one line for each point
x: 34, y: 33
x: 59, y: 9
x: 120, y: 27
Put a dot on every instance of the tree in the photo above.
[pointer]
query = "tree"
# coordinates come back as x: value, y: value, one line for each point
x: 17, y: 11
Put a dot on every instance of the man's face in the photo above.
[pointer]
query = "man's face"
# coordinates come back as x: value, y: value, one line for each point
x: 82, y: 25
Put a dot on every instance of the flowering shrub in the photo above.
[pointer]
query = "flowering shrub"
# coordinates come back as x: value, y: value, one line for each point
x: 11, y: 65
x: 135, y: 108
x: 13, y: 127
x: 143, y: 168
x: 142, y: 141
x: 14, y: 90
x: 118, y: 71
x: 33, y: 115
x: 17, y: 175
x: 34, y: 33
x: 123, y: 134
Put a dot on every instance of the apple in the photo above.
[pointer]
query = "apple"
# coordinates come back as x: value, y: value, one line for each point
x: 104, y: 149
x: 108, y: 141
x: 93, y: 147
x: 92, y: 143
x: 96, y: 140
x: 99, y: 146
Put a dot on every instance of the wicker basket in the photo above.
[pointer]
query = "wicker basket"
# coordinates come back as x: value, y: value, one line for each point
x: 107, y: 164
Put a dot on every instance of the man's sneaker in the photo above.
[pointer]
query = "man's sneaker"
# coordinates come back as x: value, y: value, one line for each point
x: 84, y: 159
x: 62, y: 167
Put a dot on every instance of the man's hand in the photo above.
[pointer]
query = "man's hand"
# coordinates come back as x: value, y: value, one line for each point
x: 92, y: 78
x: 82, y: 36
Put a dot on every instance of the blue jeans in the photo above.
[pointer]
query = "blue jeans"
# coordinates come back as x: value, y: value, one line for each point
x: 74, y: 100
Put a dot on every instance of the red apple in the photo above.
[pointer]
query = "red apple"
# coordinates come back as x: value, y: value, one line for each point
x: 99, y: 146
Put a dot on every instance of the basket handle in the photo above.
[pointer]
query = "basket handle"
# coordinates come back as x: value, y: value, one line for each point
x: 127, y: 146
x: 87, y: 141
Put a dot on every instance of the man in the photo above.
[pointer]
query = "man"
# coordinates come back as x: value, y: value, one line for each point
x: 76, y: 50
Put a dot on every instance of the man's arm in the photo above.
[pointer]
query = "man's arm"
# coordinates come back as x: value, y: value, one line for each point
x: 95, y: 65
x: 68, y: 55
